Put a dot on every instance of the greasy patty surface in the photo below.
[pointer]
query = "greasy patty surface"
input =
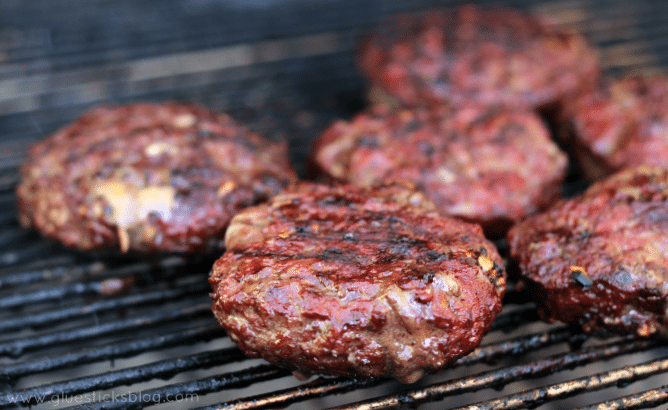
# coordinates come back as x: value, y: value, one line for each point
x: 147, y: 177
x: 623, y: 123
x: 491, y: 166
x: 600, y: 260
x: 354, y: 282
x: 470, y: 53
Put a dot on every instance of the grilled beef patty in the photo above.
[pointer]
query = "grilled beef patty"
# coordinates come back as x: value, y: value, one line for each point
x: 469, y: 53
x: 491, y: 166
x: 600, y: 260
x: 623, y: 123
x: 356, y: 282
x: 147, y: 177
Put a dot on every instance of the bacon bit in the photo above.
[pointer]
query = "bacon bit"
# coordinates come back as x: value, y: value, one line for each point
x: 485, y: 263
x: 124, y: 239
x: 226, y: 188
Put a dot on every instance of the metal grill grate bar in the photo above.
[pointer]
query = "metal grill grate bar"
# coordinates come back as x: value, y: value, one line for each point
x: 18, y: 347
x: 52, y: 317
x: 511, y: 321
x: 28, y: 253
x: 24, y: 277
x: 198, y: 387
x: 8, y: 183
x: 535, y: 397
x: 342, y: 385
x: 277, y: 399
x: 644, y: 400
x: 163, y: 369
x: 43, y: 265
x: 11, y: 236
x: 51, y: 294
x: 58, y: 293
x: 501, y: 377
x: 112, y: 351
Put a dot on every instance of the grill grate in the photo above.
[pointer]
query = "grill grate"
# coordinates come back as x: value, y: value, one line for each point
x: 112, y: 351
x: 179, y: 299
x: 84, y: 332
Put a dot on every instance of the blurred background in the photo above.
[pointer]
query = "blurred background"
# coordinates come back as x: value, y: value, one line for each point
x: 269, y: 60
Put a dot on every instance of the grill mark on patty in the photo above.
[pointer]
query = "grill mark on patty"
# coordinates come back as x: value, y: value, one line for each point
x: 377, y: 282
x: 602, y: 276
x: 327, y: 254
x: 386, y: 252
x: 422, y: 271
x: 398, y: 243
x: 394, y: 249
x: 401, y: 222
x: 370, y: 250
x: 352, y: 237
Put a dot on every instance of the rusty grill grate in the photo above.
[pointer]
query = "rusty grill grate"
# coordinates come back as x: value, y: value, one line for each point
x: 82, y: 332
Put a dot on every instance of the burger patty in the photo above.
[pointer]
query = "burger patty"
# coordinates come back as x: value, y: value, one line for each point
x: 600, y: 260
x: 147, y: 177
x: 623, y: 123
x: 491, y: 166
x: 355, y: 282
x: 489, y: 55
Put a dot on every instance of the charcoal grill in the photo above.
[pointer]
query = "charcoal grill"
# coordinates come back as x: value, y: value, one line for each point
x: 86, y: 332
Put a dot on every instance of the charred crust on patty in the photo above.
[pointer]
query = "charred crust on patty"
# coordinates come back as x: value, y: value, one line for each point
x: 493, y: 55
x: 623, y: 123
x: 613, y: 278
x: 374, y: 283
x: 488, y: 165
x: 147, y: 178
